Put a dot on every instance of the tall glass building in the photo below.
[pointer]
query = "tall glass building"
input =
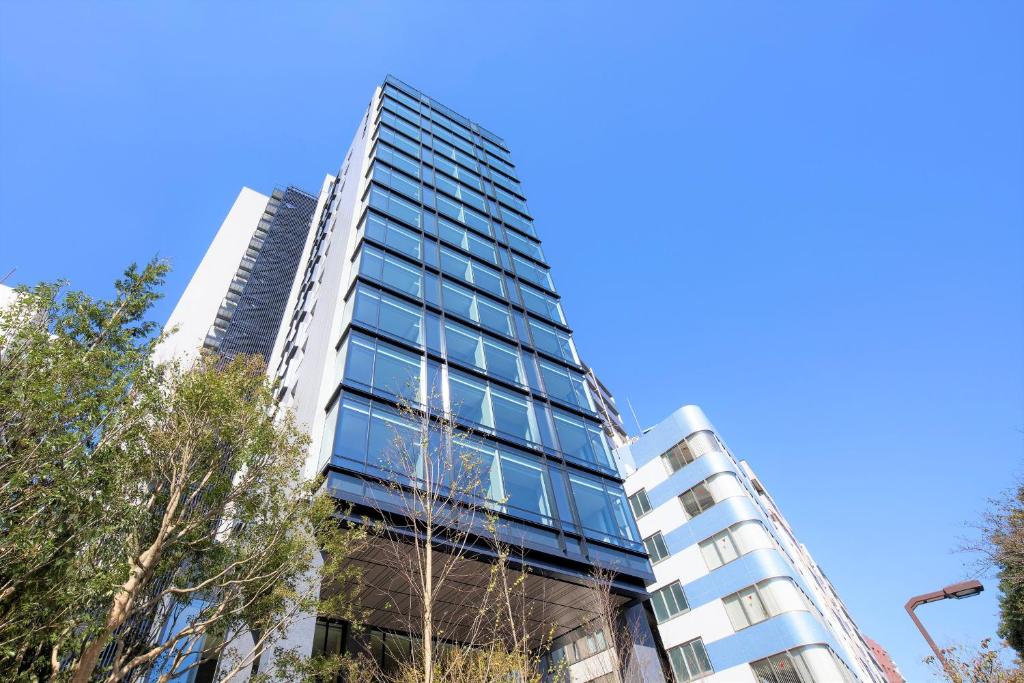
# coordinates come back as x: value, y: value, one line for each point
x: 423, y: 278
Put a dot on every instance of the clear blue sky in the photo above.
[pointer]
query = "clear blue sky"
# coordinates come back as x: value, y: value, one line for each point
x: 805, y: 217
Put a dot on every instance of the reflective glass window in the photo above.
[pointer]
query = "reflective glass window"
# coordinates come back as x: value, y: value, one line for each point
x: 469, y: 400
x: 525, y: 484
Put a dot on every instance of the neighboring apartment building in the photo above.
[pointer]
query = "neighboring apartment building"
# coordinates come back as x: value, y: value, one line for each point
x: 892, y: 672
x: 421, y: 276
x: 737, y: 598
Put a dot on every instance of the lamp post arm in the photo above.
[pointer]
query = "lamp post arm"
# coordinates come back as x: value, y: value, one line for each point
x: 920, y: 600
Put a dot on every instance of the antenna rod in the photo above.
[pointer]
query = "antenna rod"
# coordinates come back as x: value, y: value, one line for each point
x: 639, y: 429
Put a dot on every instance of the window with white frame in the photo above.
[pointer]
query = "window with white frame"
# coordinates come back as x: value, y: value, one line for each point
x: 809, y: 664
x: 669, y: 602
x: 712, y: 490
x: 639, y: 503
x: 764, y: 600
x: 738, y: 539
x: 689, y: 661
x: 656, y: 547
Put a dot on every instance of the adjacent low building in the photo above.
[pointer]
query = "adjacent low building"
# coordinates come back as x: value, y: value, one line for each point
x: 737, y: 597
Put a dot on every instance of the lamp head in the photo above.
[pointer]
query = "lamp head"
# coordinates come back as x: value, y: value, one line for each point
x: 964, y: 589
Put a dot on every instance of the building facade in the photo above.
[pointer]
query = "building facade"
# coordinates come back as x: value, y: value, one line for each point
x: 421, y: 283
x: 737, y: 598
x: 892, y: 672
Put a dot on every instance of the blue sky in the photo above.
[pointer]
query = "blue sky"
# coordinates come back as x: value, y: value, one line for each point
x: 805, y: 217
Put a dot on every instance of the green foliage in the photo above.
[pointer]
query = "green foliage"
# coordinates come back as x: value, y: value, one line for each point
x: 135, y: 494
x: 1008, y: 538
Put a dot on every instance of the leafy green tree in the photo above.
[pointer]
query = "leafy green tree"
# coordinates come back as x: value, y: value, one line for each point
x: 1001, y: 547
x: 151, y: 516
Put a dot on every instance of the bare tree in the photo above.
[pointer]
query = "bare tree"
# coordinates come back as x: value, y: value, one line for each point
x: 470, y: 617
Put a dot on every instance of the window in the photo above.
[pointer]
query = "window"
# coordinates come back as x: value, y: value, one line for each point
x: 696, y: 500
x: 464, y: 345
x: 669, y: 602
x: 512, y: 415
x: 383, y: 367
x: 528, y: 270
x: 565, y: 385
x: 388, y: 314
x: 524, y: 245
x: 377, y: 436
x: 393, y: 235
x: 466, y: 269
x: 809, y: 664
x: 397, y: 159
x: 656, y: 547
x: 375, y: 264
x: 745, y: 608
x: 503, y: 361
x: 728, y: 544
x: 542, y: 304
x: 639, y: 503
x: 677, y: 457
x: 463, y: 214
x: 472, y: 306
x: 602, y: 508
x: 460, y: 237
x: 469, y: 400
x: 689, y: 661
x: 763, y: 600
x: 525, y: 484
x: 391, y: 204
x: 581, y: 439
x: 555, y: 342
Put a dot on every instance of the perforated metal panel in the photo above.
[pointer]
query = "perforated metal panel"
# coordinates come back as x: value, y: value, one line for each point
x: 257, y: 316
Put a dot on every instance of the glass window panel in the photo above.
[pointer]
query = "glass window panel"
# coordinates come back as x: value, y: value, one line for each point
x: 532, y: 272
x: 401, y: 320
x: 526, y: 246
x: 456, y: 265
x: 376, y: 227
x: 494, y: 317
x: 726, y: 548
x: 733, y: 608
x: 469, y: 400
x: 640, y: 504
x: 525, y: 484
x: 557, y: 382
x: 464, y: 345
x: 655, y: 546
x: 542, y: 304
x: 433, y: 329
x: 481, y: 248
x: 752, y: 605
x: 574, y: 438
x: 451, y: 233
x: 512, y: 415
x: 353, y: 424
x: 487, y: 279
x: 393, y: 442
x: 359, y: 361
x: 458, y: 301
x: 703, y: 495
x: 402, y: 277
x: 397, y: 372
x: 367, y: 307
x: 403, y: 240
x: 432, y: 289
x: 371, y: 262
x: 503, y: 361
x: 599, y: 508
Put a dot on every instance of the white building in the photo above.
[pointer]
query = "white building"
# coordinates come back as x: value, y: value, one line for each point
x: 737, y: 597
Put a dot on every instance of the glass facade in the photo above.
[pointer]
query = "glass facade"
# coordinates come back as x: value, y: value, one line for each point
x: 451, y: 301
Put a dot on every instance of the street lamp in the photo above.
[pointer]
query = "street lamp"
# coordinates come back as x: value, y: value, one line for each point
x: 957, y: 591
